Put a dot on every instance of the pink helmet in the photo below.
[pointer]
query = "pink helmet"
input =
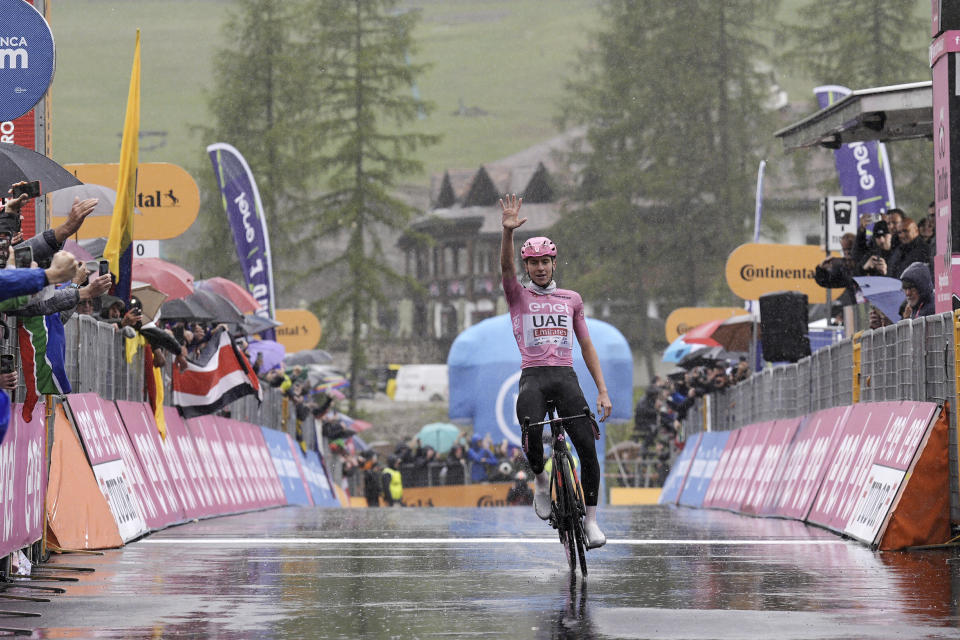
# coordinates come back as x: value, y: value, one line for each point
x: 539, y: 246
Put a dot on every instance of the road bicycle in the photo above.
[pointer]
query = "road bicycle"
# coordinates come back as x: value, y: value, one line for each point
x: 567, y: 508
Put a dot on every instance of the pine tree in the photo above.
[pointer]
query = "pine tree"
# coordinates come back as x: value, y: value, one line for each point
x: 862, y: 45
x: 362, y: 101
x: 673, y: 101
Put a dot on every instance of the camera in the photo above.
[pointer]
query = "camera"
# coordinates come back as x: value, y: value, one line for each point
x: 32, y: 189
x: 22, y: 257
x: 7, y: 363
x: 104, y: 267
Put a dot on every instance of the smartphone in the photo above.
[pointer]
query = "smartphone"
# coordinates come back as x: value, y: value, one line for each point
x: 7, y: 363
x: 32, y: 189
x: 104, y: 267
x: 22, y: 257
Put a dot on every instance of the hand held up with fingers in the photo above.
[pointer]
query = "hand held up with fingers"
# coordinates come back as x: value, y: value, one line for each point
x: 510, y: 204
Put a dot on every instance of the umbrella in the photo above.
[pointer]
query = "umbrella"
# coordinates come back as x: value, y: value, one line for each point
x: 19, y: 164
x: 272, y: 351
x: 706, y: 355
x: 439, y: 435
x: 736, y: 333
x: 308, y: 356
x: 886, y: 294
x: 184, y: 309
x: 701, y: 333
x: 173, y: 280
x: 62, y: 200
x: 150, y: 299
x: 253, y: 323
x: 677, y: 350
x: 94, y: 246
x: 231, y: 291
x: 221, y: 309
x: 78, y: 252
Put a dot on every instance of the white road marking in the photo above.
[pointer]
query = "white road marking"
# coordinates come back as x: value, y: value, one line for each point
x: 241, y: 542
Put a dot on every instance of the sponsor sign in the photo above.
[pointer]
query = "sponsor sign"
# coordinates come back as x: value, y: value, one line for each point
x: 118, y: 473
x: 22, y: 481
x: 840, y: 217
x: 752, y: 441
x: 806, y: 461
x: 196, y: 493
x: 673, y: 485
x: 321, y: 490
x: 492, y: 494
x: 23, y: 131
x: 946, y: 152
x: 754, y: 270
x: 721, y: 476
x: 300, y: 331
x: 167, y: 200
x: 286, y: 463
x: 27, y: 58
x: 876, y: 498
x: 770, y: 467
x: 248, y: 453
x: 712, y: 444
x: 213, y: 456
x: 683, y: 319
x: 142, y: 430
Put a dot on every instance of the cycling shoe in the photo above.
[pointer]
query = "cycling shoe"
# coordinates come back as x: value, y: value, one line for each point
x: 541, y: 504
x: 595, y: 537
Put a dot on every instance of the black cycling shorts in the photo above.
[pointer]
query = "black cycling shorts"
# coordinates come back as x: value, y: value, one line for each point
x: 559, y: 384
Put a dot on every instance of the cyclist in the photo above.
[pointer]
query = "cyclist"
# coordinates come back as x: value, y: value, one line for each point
x: 545, y: 320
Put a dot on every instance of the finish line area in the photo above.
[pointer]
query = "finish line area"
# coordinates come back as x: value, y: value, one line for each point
x: 665, y: 572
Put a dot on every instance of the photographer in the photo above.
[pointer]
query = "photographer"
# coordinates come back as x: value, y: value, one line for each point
x: 46, y: 244
x: 65, y: 300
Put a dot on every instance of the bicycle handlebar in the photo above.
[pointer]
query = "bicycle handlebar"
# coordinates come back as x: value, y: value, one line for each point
x: 560, y: 419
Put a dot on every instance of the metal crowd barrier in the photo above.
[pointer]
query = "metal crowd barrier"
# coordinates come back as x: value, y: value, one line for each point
x: 911, y: 360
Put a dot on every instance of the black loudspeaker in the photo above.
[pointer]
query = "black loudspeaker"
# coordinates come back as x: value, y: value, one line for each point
x: 783, y: 326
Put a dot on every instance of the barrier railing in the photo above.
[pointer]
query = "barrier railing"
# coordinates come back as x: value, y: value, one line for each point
x: 911, y: 360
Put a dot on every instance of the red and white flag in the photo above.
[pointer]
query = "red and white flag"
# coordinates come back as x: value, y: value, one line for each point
x: 219, y: 376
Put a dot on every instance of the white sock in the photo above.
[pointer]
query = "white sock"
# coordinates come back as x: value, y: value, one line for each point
x: 541, y: 482
x: 591, y: 514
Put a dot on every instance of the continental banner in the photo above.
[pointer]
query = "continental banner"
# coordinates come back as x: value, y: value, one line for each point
x: 464, y: 495
x: 754, y: 270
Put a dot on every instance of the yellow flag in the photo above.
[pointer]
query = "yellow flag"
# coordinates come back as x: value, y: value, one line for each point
x: 119, y: 249
x: 158, y: 412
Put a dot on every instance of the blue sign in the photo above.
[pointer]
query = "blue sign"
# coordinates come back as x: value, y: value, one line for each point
x: 294, y: 488
x: 704, y: 465
x: 317, y: 480
x: 26, y: 58
x: 673, y: 485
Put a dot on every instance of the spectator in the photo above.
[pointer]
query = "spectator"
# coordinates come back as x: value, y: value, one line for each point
x: 911, y: 249
x: 927, y: 230
x: 480, y: 457
x: 918, y: 288
x: 878, y: 255
x: 520, y: 493
x: 894, y: 219
x: 371, y: 477
x: 392, y: 482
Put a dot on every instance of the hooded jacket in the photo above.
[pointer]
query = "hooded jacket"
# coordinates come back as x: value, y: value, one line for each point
x: 918, y: 274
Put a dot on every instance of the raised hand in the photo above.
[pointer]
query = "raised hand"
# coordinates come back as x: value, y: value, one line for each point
x: 510, y: 204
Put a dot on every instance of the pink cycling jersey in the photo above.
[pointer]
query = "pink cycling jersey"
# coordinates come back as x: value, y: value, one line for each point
x: 545, y: 325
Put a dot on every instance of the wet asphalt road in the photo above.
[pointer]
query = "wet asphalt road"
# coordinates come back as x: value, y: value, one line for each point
x: 498, y: 573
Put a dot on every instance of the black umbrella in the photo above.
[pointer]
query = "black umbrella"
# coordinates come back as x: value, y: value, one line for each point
x: 308, y: 356
x: 19, y: 164
x: 252, y: 323
x: 184, y: 309
x: 219, y: 307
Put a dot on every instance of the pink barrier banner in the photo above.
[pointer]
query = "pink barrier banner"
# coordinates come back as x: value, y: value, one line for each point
x: 807, y: 457
x: 142, y: 429
x: 213, y: 457
x: 721, y: 476
x: 867, y: 429
x: 131, y: 499
x: 878, y: 488
x: 248, y: 454
x: 745, y: 458
x: 771, y: 466
x: 264, y: 470
x: 197, y: 494
x: 22, y: 480
x: 301, y: 468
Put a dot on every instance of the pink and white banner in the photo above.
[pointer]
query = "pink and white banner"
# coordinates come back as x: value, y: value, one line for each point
x: 247, y: 453
x: 721, y: 476
x: 22, y: 481
x: 744, y: 458
x: 197, y: 494
x: 118, y: 472
x: 142, y: 430
x: 770, y: 469
x: 217, y: 471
